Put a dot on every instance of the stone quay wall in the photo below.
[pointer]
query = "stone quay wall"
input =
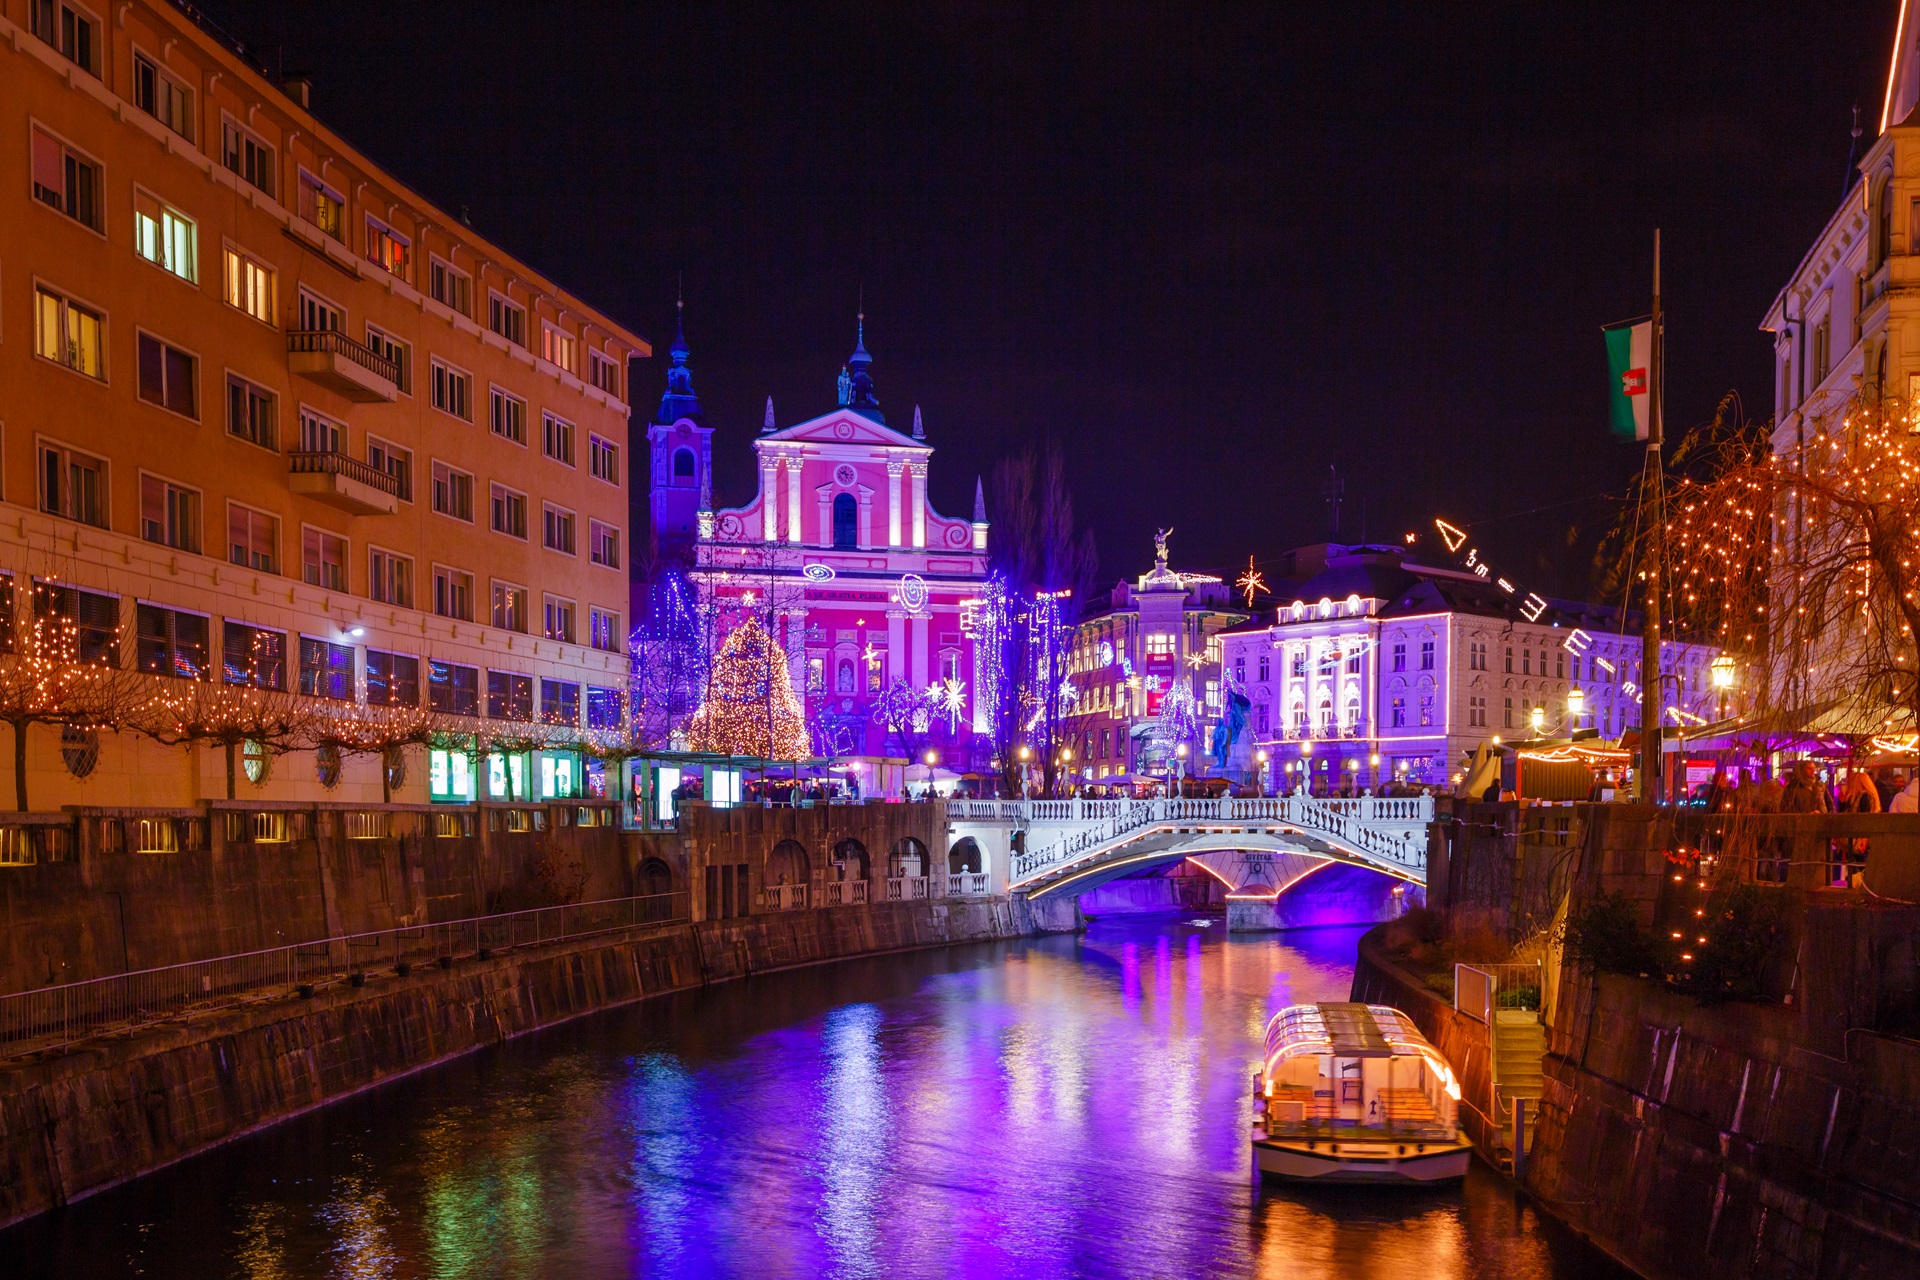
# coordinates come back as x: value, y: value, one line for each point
x: 101, y: 1113
x: 1778, y: 1138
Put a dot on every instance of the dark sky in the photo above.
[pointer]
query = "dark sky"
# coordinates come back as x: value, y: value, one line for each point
x: 1209, y: 248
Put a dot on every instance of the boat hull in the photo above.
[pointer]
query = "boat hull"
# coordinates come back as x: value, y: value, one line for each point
x: 1361, y: 1162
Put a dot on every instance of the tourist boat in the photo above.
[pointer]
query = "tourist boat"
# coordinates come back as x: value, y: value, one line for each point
x: 1354, y: 1093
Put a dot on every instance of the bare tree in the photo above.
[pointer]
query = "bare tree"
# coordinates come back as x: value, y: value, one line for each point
x: 185, y: 712
x: 61, y: 670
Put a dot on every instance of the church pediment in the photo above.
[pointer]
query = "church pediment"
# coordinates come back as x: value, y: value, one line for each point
x: 844, y: 426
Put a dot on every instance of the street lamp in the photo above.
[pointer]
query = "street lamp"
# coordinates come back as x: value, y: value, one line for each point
x: 1180, y: 762
x: 1066, y: 759
x: 1576, y: 705
x: 933, y: 758
x: 1261, y: 756
x: 1026, y: 761
x: 1721, y: 672
x: 1538, y: 719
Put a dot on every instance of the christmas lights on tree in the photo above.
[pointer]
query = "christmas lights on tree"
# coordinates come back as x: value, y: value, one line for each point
x: 750, y: 707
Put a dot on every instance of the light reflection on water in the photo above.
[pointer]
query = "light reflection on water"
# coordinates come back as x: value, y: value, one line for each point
x: 1060, y: 1107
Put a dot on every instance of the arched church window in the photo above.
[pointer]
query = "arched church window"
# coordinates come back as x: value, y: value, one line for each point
x: 683, y: 466
x: 846, y: 522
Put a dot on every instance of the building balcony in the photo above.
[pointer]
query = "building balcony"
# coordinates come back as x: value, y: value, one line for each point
x: 340, y: 364
x: 347, y: 483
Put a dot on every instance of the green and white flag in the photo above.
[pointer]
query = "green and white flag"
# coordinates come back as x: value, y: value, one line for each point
x: 1629, y: 362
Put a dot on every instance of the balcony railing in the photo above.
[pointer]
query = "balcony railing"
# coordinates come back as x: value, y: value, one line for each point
x: 339, y: 464
x: 333, y: 342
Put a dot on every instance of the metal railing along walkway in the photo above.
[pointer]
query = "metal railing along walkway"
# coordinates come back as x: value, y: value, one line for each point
x: 53, y: 1016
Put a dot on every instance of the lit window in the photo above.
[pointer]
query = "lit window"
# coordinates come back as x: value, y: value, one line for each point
x: 326, y: 669
x: 252, y: 656
x: 164, y: 236
x: 68, y: 333
x: 324, y: 207
x: 171, y: 643
x: 556, y: 346
x: 389, y: 248
x: 249, y: 285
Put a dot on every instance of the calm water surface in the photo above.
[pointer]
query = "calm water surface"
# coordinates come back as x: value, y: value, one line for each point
x: 1058, y: 1107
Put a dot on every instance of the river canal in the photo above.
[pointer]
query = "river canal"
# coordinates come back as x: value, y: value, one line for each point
x: 1049, y: 1108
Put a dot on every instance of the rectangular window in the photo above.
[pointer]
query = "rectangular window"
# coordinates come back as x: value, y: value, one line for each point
x: 74, y: 485
x: 452, y: 593
x: 1399, y: 713
x: 393, y: 680
x: 171, y: 643
x: 253, y: 539
x: 249, y: 285
x: 558, y: 623
x: 450, y: 286
x: 390, y: 249
x: 509, y: 511
x: 509, y: 696
x: 603, y: 630
x: 164, y: 236
x: 326, y: 669
x: 604, y: 458
x: 603, y: 708
x: 508, y: 416
x: 169, y: 377
x: 251, y: 413
x: 385, y: 344
x: 509, y: 607
x: 323, y: 559
x: 319, y: 315
x: 1299, y: 667
x: 556, y: 438
x: 320, y: 434
x: 245, y: 154
x: 324, y: 207
x: 453, y: 391
x: 603, y: 373
x: 604, y: 543
x: 508, y: 319
x: 453, y: 689
x: 1509, y: 660
x: 560, y: 702
x: 253, y: 656
x: 1426, y: 710
x: 95, y: 619
x: 67, y: 181
x: 69, y: 334
x: 557, y: 529
x: 1426, y: 655
x: 74, y: 32
x: 395, y: 462
x: 1507, y: 722
x: 390, y: 578
x: 162, y: 97
x: 556, y: 346
x: 169, y: 514
x: 452, y: 492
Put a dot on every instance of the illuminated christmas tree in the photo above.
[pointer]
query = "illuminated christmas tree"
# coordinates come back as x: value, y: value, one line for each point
x: 750, y: 707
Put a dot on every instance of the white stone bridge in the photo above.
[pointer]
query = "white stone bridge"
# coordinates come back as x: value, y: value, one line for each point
x: 1066, y: 847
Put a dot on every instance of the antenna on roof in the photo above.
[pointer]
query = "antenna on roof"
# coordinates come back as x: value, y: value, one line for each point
x: 1853, y: 154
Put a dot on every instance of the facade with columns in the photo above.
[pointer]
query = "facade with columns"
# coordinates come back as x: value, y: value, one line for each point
x: 842, y: 557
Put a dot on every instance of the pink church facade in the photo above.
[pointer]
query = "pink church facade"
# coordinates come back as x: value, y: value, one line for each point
x: 843, y: 557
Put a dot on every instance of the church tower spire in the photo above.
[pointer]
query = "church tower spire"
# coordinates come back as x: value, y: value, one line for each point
x: 679, y: 401
x: 856, y: 378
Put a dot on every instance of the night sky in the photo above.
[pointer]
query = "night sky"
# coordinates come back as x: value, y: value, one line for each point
x: 1210, y: 249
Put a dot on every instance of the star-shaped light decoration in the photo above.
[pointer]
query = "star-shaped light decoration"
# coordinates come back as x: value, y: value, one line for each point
x: 1250, y: 582
x: 1196, y: 660
x: 951, y: 695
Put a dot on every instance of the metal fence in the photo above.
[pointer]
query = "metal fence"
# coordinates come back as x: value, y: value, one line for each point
x: 52, y: 1016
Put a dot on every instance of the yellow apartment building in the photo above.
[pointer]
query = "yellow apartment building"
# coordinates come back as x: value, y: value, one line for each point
x: 269, y: 418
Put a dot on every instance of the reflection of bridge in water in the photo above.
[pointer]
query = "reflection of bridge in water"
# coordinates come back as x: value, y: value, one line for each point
x: 1260, y: 848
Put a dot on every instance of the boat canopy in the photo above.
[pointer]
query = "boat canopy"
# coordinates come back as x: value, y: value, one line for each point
x: 1344, y: 1030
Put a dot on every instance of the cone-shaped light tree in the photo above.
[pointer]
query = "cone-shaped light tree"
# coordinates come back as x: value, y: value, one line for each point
x: 750, y: 708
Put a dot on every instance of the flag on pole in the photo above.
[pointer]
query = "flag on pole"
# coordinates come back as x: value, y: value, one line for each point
x: 1629, y: 361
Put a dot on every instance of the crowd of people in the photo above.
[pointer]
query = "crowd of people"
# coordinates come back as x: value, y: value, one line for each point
x: 1802, y: 789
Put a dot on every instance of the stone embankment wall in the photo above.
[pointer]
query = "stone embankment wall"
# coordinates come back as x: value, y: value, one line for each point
x: 1778, y: 1138
x: 102, y: 1113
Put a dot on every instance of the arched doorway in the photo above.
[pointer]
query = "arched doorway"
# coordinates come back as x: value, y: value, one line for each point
x: 654, y: 882
x: 964, y: 856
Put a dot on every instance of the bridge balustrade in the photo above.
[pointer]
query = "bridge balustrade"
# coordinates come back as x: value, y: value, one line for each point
x: 967, y: 884
x: 906, y: 888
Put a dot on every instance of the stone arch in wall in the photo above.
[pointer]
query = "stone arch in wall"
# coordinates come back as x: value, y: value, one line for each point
x: 787, y: 864
x: 908, y: 857
x: 850, y: 861
x: 965, y: 856
x: 654, y: 877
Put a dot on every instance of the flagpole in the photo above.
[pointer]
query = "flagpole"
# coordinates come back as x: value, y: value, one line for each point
x: 1651, y: 708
